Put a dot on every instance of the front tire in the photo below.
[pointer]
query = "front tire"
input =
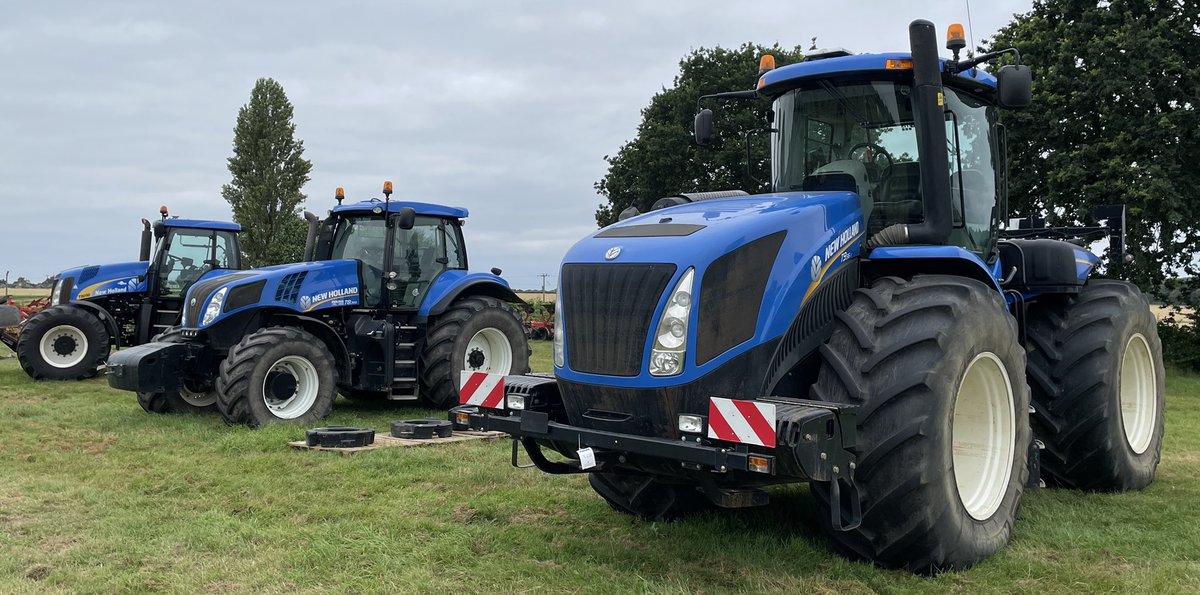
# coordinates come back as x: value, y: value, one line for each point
x: 274, y: 375
x: 647, y: 498
x: 185, y: 400
x: 478, y: 334
x: 1096, y: 370
x: 65, y: 342
x: 943, y: 425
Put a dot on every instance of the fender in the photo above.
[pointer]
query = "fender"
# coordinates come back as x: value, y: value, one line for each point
x: 950, y: 260
x: 110, y: 324
x: 451, y: 285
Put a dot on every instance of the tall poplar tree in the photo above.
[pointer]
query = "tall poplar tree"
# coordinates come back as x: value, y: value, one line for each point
x: 269, y: 170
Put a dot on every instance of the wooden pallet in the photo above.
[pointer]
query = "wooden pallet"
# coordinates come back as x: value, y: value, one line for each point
x: 387, y: 441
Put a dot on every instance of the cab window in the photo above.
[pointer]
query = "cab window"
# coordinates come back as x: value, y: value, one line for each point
x: 189, y: 254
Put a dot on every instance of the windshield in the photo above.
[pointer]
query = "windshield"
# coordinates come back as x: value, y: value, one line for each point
x: 189, y: 254
x: 419, y: 255
x: 859, y: 137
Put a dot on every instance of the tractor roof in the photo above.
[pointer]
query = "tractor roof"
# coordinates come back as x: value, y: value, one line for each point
x: 203, y: 224
x: 422, y: 208
x: 774, y: 82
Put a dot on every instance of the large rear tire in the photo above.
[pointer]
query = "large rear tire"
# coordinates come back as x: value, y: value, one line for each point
x: 943, y: 425
x: 189, y: 399
x: 479, y: 334
x: 277, y: 375
x: 1096, y: 371
x: 66, y: 342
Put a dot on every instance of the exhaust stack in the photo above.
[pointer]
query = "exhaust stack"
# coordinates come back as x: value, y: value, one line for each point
x: 144, y: 255
x: 930, y: 121
x: 310, y: 243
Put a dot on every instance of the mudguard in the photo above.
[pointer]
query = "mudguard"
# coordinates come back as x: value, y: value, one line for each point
x: 454, y: 283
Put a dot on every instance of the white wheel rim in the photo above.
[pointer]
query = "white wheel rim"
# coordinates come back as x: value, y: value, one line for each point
x: 984, y: 436
x: 198, y: 399
x: 54, y: 346
x: 489, y: 351
x: 300, y: 401
x: 1139, y: 388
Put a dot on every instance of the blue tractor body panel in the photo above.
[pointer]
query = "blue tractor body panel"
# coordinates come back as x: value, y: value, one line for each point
x: 860, y: 64
x: 824, y: 230
x: 928, y: 253
x: 202, y: 224
x: 422, y: 208
x: 96, y: 281
x: 301, y: 288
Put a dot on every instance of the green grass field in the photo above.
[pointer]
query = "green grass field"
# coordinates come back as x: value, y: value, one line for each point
x: 97, y: 496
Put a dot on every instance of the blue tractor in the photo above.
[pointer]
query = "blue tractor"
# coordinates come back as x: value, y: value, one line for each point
x: 870, y: 326
x: 383, y: 308
x: 96, y: 308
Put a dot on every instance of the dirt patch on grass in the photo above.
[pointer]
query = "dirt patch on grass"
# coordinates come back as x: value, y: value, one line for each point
x: 37, y: 572
x: 463, y: 514
x: 529, y: 516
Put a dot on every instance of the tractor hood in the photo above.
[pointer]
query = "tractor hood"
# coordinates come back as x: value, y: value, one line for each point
x: 96, y: 281
x: 756, y: 259
x: 300, y: 287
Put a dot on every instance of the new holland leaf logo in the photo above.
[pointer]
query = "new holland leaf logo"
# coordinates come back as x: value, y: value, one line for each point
x: 305, y: 301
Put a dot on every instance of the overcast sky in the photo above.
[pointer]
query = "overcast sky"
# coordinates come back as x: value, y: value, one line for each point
x: 109, y: 109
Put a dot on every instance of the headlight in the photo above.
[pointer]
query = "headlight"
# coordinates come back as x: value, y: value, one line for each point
x: 214, y: 306
x: 516, y: 402
x: 560, y: 331
x: 56, y: 293
x: 670, y: 338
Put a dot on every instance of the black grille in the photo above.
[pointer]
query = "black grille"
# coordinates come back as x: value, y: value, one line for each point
x: 289, y: 288
x: 87, y: 273
x: 199, y: 295
x: 244, y: 295
x: 608, y: 309
x: 730, y: 296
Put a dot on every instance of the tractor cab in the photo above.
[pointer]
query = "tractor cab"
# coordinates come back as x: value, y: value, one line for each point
x: 187, y: 249
x: 402, y: 247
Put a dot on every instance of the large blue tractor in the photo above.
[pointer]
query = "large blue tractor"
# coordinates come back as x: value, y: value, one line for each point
x: 95, y: 308
x: 870, y: 326
x: 383, y: 308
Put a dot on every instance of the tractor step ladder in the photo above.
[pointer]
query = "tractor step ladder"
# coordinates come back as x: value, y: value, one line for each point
x: 405, y: 385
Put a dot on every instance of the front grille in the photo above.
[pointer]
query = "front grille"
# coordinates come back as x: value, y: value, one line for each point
x: 244, y: 295
x: 199, y: 297
x: 608, y: 309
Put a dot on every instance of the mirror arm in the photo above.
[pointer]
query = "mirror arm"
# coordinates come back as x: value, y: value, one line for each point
x: 954, y: 67
x: 737, y: 95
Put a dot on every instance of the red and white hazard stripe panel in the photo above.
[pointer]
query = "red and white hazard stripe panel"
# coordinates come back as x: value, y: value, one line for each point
x: 484, y: 390
x: 744, y: 422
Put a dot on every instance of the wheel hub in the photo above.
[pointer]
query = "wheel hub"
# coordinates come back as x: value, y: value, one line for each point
x: 291, y: 386
x: 475, y: 359
x: 65, y: 345
x: 282, y: 386
x: 1138, y: 394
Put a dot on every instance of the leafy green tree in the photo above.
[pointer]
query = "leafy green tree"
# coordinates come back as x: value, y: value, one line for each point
x: 663, y: 159
x: 1114, y: 120
x: 269, y: 170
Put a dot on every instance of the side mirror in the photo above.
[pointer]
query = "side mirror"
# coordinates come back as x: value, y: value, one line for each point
x: 1014, y: 86
x: 406, y: 218
x: 703, y: 127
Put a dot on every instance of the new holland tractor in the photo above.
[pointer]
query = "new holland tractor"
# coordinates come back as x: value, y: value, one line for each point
x: 869, y: 326
x: 97, y: 308
x: 383, y: 308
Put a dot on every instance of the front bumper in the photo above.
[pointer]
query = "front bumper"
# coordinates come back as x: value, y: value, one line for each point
x: 149, y: 368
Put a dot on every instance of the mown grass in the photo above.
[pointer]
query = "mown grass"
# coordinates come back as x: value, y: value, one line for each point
x: 96, y: 496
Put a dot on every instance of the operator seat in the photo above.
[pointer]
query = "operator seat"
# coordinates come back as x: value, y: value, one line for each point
x: 847, y: 175
x: 898, y: 198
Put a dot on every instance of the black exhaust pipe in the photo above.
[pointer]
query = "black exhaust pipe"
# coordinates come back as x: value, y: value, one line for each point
x: 929, y: 120
x: 311, y: 242
x: 144, y: 255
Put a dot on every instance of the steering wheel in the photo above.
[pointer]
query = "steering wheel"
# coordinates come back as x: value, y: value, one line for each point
x: 873, y: 160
